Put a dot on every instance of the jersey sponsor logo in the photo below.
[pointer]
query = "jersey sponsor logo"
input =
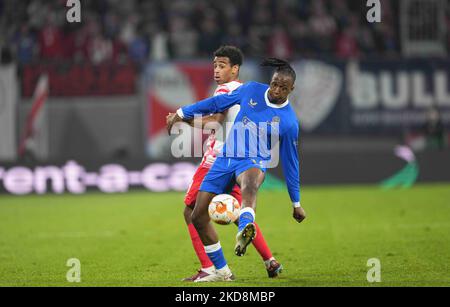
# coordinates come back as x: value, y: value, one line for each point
x: 252, y: 103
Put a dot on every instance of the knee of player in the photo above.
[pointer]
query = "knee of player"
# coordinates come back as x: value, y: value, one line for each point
x: 187, y: 213
x: 197, y: 220
x: 250, y: 188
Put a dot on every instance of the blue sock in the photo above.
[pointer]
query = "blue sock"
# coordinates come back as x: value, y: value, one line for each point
x: 246, y: 216
x: 215, y: 253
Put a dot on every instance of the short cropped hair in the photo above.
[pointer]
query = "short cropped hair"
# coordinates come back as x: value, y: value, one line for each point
x: 233, y: 53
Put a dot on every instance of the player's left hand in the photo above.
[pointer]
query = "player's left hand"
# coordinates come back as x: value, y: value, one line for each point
x: 299, y: 214
x: 171, y: 119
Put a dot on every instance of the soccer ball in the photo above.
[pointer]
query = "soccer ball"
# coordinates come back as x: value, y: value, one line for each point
x: 224, y: 209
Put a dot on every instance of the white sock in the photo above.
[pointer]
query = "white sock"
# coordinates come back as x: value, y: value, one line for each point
x: 224, y: 271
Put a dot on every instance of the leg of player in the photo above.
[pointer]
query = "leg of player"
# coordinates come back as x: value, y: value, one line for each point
x: 207, y: 266
x: 210, y: 239
x: 249, y: 181
x: 273, y: 267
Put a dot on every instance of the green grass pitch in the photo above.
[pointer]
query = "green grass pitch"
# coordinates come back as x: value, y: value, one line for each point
x: 140, y: 239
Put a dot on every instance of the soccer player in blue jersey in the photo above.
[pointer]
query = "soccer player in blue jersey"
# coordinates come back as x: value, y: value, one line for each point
x: 265, y: 114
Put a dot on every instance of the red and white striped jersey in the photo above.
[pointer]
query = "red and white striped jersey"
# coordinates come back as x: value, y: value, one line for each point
x: 215, y: 146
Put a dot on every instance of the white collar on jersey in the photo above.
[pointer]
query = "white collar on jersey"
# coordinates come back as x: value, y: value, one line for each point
x: 273, y: 105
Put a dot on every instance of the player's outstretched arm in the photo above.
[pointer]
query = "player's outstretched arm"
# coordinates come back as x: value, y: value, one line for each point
x: 213, y: 105
x: 291, y: 169
x: 213, y: 118
x: 173, y: 118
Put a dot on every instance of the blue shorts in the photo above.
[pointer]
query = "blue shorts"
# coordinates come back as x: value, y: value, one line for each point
x: 221, y: 178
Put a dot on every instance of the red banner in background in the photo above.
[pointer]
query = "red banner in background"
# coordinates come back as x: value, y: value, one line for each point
x: 82, y: 79
x: 175, y: 85
x: 171, y: 86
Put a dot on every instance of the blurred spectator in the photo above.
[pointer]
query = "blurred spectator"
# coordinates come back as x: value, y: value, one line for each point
x: 50, y: 41
x: 346, y: 44
x: 159, y: 49
x: 37, y: 12
x: 340, y: 12
x: 99, y: 49
x: 112, y: 25
x: 235, y: 36
x: 128, y: 29
x: 366, y: 40
x: 448, y: 28
x: 323, y: 28
x: 5, y: 56
x: 182, y: 29
x: 301, y: 37
x: 138, y: 48
x: 279, y: 44
x: 182, y: 38
x: 24, y: 44
x: 96, y: 47
x: 260, y: 30
x: 210, y: 36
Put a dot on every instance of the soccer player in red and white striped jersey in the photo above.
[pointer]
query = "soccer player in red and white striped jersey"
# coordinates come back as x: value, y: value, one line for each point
x: 227, y: 63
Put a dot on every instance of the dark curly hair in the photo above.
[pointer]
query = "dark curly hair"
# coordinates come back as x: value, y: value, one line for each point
x: 282, y: 67
x: 233, y: 53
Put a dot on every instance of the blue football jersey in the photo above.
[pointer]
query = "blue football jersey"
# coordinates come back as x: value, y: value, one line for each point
x: 261, y: 130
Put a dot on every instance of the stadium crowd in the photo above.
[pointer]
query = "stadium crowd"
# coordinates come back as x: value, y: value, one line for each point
x: 141, y: 30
